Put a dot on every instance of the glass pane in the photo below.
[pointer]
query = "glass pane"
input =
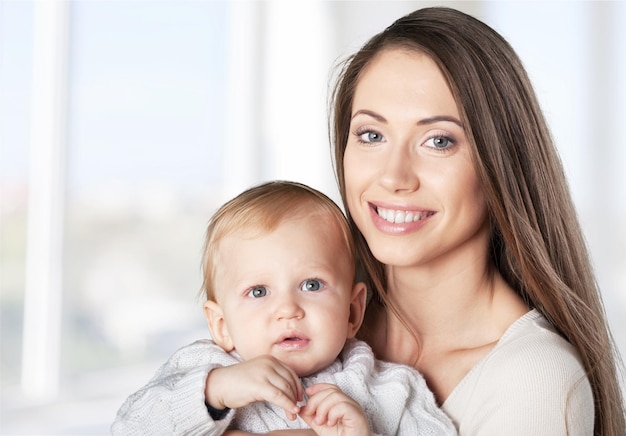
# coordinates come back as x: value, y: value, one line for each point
x: 16, y: 39
x: 144, y: 167
x: 143, y: 173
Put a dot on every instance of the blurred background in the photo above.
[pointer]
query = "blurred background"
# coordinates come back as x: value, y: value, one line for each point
x: 124, y: 124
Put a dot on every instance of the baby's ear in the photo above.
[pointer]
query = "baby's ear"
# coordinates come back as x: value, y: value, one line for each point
x: 217, y: 325
x: 357, y: 308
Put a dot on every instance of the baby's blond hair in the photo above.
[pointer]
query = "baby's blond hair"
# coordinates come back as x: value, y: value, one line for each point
x: 263, y: 208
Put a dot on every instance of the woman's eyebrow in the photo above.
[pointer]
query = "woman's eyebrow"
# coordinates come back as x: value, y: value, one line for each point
x: 422, y: 122
x: 439, y: 118
x: 370, y: 113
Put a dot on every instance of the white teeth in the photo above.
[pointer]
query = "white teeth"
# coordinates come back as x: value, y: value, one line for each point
x: 401, y: 216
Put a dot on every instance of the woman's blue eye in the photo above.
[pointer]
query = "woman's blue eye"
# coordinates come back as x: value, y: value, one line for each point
x: 311, y: 285
x: 439, y: 142
x: 371, y: 136
x: 258, y: 292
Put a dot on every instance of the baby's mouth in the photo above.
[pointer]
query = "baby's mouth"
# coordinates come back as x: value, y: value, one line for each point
x: 293, y: 341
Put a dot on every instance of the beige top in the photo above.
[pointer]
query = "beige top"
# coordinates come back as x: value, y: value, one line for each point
x: 531, y: 383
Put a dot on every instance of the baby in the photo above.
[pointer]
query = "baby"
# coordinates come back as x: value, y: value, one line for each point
x: 283, y: 307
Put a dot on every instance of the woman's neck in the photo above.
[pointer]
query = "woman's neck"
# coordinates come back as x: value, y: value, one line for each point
x: 443, y: 325
x: 446, y: 309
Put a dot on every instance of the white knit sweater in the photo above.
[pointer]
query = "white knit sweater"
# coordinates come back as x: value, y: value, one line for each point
x: 395, y: 397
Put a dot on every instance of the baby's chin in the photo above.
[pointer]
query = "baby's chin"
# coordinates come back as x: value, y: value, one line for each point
x: 305, y: 369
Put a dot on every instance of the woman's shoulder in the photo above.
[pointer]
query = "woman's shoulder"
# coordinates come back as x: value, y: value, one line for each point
x: 532, y: 349
x: 532, y: 367
x: 532, y: 343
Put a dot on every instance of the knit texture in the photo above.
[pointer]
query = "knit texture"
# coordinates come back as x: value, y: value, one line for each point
x: 395, y: 397
x: 531, y: 383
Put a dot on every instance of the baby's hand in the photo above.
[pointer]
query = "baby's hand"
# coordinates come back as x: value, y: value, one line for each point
x: 329, y: 411
x: 264, y: 378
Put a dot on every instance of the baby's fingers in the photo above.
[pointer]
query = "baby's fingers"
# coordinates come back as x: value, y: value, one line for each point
x: 323, y: 398
x: 292, y: 380
x: 281, y: 399
x: 285, y: 390
x: 330, y: 410
x: 263, y: 378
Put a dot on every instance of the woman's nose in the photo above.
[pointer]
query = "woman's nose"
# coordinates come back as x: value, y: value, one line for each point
x: 398, y: 172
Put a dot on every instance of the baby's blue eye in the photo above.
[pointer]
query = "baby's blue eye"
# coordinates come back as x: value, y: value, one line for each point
x: 258, y: 292
x: 311, y: 285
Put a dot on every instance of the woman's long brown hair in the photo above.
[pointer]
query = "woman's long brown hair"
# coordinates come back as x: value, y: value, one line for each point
x: 536, y: 240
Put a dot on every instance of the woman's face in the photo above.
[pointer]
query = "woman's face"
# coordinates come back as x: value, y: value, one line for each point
x: 411, y: 186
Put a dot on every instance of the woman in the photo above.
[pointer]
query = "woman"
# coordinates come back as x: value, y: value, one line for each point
x: 468, y: 233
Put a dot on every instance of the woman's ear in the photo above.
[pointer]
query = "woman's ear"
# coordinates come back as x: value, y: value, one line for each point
x: 357, y: 308
x: 217, y: 325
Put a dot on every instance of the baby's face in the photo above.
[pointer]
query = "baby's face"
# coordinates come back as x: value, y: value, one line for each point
x: 287, y: 293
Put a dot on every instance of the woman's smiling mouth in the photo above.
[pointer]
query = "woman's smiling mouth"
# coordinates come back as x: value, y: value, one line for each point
x: 402, y: 216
